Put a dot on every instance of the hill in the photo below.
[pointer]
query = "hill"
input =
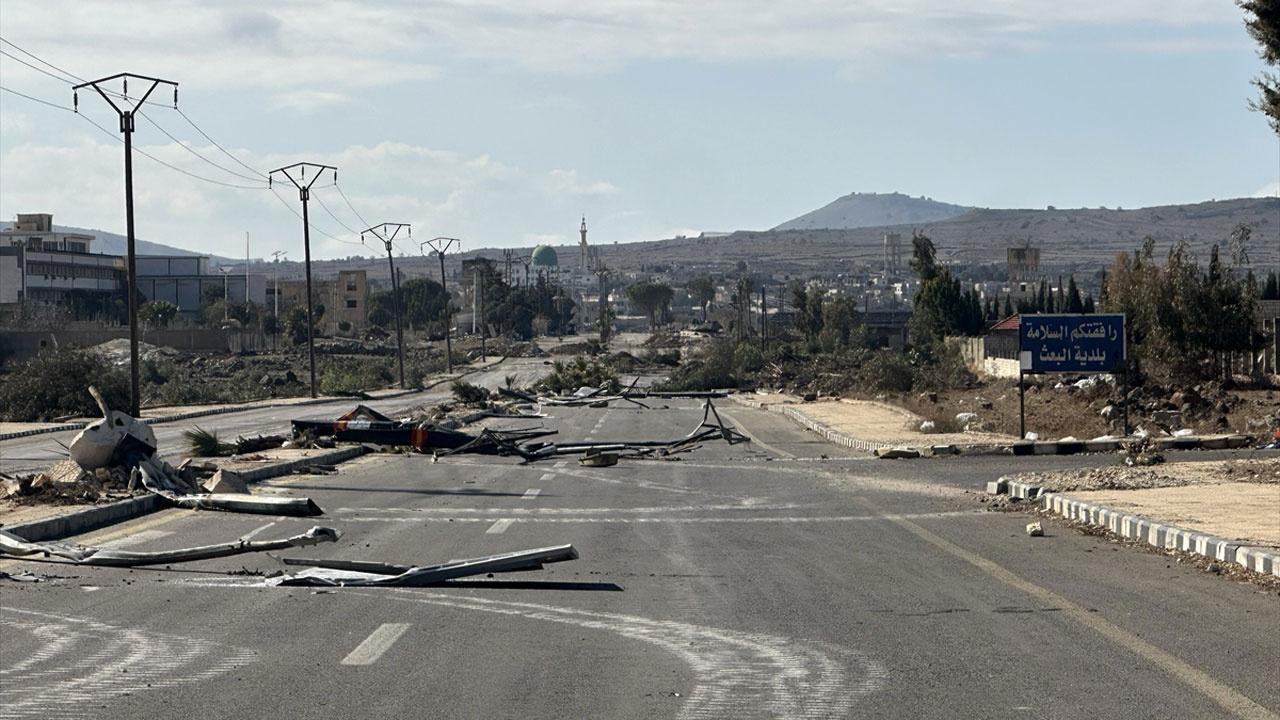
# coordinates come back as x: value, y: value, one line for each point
x: 859, y: 210
x: 1070, y: 240
x: 112, y: 244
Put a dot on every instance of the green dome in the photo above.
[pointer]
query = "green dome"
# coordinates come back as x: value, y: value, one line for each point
x: 545, y: 256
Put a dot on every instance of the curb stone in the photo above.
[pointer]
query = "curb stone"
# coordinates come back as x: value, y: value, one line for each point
x: 828, y: 433
x: 82, y: 521
x: 1145, y: 530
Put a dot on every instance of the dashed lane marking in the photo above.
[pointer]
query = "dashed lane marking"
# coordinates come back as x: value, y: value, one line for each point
x: 252, y: 533
x: 531, y: 493
x: 501, y: 525
x: 548, y: 476
x: 1226, y: 696
x: 374, y: 646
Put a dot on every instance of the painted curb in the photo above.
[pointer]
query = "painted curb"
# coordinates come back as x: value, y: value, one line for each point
x: 1145, y: 530
x: 82, y: 521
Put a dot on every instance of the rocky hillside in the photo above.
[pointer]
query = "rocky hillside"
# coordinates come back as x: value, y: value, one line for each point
x: 860, y: 210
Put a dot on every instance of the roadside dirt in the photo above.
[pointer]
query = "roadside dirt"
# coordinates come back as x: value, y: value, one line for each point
x: 1237, y: 499
x: 1062, y: 407
x: 881, y: 422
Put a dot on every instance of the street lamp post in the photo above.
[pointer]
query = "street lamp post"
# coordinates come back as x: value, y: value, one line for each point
x: 440, y: 246
x: 225, y: 272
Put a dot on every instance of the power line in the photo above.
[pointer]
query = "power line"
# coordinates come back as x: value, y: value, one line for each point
x: 311, y: 224
x: 348, y: 202
x: 40, y: 60
x: 140, y: 152
x: 36, y: 99
x: 33, y: 67
x: 193, y: 152
x: 215, y: 143
x: 259, y: 174
x: 345, y: 226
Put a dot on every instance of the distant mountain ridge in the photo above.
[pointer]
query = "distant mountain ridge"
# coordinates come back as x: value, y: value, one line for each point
x: 861, y: 210
x: 106, y: 243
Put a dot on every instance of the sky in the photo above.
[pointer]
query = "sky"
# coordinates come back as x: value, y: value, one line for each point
x: 504, y: 123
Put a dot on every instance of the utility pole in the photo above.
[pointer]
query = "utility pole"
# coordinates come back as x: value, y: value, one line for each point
x: 380, y: 232
x: 441, y: 246
x: 304, y: 193
x: 126, y: 127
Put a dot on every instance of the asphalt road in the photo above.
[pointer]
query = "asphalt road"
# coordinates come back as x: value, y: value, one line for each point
x: 754, y: 581
x: 36, y: 452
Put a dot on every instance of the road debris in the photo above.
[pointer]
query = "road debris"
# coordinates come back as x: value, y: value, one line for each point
x: 1035, y: 529
x: 356, y: 573
x: 116, y: 439
x: 11, y: 544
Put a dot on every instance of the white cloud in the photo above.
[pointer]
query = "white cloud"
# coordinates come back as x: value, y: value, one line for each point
x: 309, y: 101
x: 1269, y: 190
x: 320, y: 46
x: 566, y: 182
x: 487, y: 202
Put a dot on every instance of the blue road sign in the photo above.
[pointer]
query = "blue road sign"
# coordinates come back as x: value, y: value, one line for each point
x: 1072, y: 343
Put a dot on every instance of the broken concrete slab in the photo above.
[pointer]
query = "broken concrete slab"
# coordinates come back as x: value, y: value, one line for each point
x: 227, y: 481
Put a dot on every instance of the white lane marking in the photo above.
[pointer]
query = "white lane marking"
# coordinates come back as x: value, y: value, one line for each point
x: 502, y: 525
x: 255, y: 531
x: 378, y: 642
x: 531, y: 493
x: 560, y: 464
x: 81, y: 663
x: 137, y: 538
x: 548, y: 476
x: 735, y: 674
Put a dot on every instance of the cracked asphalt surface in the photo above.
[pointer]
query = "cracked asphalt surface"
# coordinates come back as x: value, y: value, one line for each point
x: 754, y: 581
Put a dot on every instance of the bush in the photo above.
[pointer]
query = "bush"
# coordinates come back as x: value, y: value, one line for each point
x: 715, y: 369
x: 56, y: 383
x: 469, y: 394
x: 351, y: 375
x: 748, y: 358
x: 888, y: 371
x: 571, y: 375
